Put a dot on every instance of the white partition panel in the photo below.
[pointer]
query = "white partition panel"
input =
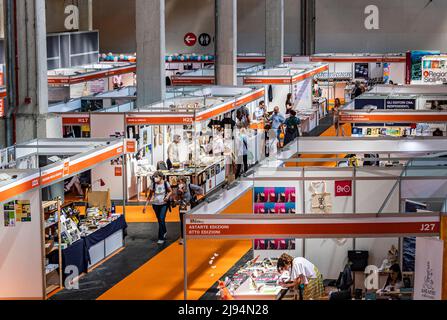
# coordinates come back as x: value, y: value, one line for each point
x: 103, y: 125
x: 106, y: 172
x: 420, y: 189
x: 329, y: 255
x: 377, y: 248
x: 21, y: 254
x: 371, y: 194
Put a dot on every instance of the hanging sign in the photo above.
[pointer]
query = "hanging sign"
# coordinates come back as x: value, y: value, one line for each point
x: 118, y: 171
x: 401, y: 104
x: 343, y: 188
x: 190, y: 39
x: 428, y: 271
x: 204, y: 39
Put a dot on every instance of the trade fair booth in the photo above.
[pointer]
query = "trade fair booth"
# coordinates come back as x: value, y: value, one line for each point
x: 178, y: 63
x: 206, y: 76
x: 87, y: 80
x: 367, y: 215
x: 398, y: 111
x: 46, y: 236
x: 295, y: 79
x: 344, y: 69
x: 203, y: 119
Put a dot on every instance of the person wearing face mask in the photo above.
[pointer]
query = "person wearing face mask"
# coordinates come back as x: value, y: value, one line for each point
x: 160, y: 193
x: 302, y: 272
x: 187, y: 194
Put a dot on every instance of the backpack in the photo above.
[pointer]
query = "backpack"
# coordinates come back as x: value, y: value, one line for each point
x: 169, y: 203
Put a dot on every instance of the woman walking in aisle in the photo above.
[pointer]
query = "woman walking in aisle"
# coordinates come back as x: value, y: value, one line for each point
x: 160, y: 193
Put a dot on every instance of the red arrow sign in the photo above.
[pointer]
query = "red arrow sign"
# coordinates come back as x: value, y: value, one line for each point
x: 190, y: 39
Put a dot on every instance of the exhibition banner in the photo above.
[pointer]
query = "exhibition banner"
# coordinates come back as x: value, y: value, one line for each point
x: 408, y: 117
x: 401, y: 104
x: 434, y: 69
x: 310, y: 226
x: 192, y: 81
x: 428, y: 271
x: 159, y: 119
x: 75, y: 120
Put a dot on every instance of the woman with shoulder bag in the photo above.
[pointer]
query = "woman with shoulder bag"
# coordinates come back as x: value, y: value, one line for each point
x: 160, y: 193
x: 292, y: 128
x: 187, y: 198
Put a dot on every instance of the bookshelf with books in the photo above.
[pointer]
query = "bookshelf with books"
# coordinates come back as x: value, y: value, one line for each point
x: 52, y: 272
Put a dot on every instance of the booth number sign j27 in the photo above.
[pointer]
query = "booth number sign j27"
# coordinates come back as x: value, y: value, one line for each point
x: 191, y: 39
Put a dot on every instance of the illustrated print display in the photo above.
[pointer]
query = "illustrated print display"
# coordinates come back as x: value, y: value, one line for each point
x: 275, y: 244
x: 274, y: 200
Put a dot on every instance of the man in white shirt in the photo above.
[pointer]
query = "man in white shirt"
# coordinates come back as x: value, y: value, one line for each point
x: 174, y: 151
x: 260, y: 111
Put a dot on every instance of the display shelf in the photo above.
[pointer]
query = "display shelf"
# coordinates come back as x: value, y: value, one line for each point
x: 51, y: 288
x: 51, y: 237
x: 49, y: 225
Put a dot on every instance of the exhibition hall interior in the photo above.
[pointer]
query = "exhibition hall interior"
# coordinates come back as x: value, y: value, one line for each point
x: 220, y: 150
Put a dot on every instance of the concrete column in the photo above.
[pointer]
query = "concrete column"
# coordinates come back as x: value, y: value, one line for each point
x: 151, y: 48
x: 226, y: 42
x: 2, y: 20
x: 307, y: 27
x: 274, y: 32
x: 86, y: 15
x: 28, y: 80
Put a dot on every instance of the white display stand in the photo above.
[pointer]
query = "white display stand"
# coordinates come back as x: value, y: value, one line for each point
x: 106, y: 248
x: 21, y: 246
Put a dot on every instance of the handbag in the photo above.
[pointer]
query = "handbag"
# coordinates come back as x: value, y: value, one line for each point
x: 321, y: 202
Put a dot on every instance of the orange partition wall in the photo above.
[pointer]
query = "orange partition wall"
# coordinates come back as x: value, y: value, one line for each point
x: 243, y: 205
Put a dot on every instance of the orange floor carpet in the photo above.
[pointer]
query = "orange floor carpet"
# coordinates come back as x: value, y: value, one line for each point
x: 331, y: 132
x: 134, y: 214
x: 161, y: 278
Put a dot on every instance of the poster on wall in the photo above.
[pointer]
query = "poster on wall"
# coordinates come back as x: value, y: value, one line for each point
x: 9, y: 214
x: 434, y: 69
x: 369, y: 104
x: 275, y: 244
x: 343, y: 188
x: 428, y: 271
x: 436, y: 105
x: 274, y: 200
x: 23, y: 210
x: 361, y: 71
x: 414, y: 64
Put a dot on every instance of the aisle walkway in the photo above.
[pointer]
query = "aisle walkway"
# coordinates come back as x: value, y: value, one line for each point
x: 162, y: 276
